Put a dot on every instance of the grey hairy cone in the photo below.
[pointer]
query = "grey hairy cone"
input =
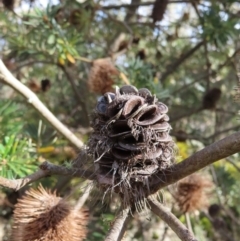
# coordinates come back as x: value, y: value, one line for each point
x: 130, y: 142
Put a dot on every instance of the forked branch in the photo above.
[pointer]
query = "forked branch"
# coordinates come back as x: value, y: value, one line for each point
x: 45, y: 169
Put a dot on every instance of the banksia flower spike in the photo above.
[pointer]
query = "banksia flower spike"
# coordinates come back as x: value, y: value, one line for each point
x: 42, y: 216
x: 193, y: 193
x: 130, y: 142
x: 101, y: 76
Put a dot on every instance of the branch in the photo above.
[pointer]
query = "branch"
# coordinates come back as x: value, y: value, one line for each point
x: 222, y: 132
x: 133, y: 5
x: 174, y: 223
x: 219, y: 67
x: 208, y: 155
x: 7, y: 78
x: 118, y: 228
x: 45, y: 169
x: 184, y: 115
x: 173, y: 66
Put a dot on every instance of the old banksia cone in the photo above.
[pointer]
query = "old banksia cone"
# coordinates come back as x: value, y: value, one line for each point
x: 102, y: 75
x: 211, y: 98
x: 42, y: 216
x: 130, y: 142
x: 193, y: 193
x: 159, y: 9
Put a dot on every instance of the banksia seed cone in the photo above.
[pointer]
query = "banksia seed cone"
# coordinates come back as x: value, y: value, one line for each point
x: 141, y: 54
x: 42, y: 216
x: 159, y: 9
x: 45, y: 85
x: 130, y: 142
x: 101, y: 76
x: 211, y: 98
x: 192, y: 193
x: 181, y: 136
x: 214, y: 210
x: 8, y: 4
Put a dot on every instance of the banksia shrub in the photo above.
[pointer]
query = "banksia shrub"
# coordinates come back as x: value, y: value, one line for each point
x: 130, y: 142
x: 193, y: 193
x: 102, y: 75
x: 42, y: 216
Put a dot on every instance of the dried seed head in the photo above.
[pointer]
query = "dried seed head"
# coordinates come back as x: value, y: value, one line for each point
x: 211, y: 98
x: 141, y: 54
x: 45, y: 85
x: 34, y: 86
x: 9, y: 4
x: 181, y: 136
x: 130, y: 142
x: 214, y: 210
x: 42, y: 216
x: 123, y: 45
x: 102, y: 75
x: 192, y: 193
x: 159, y: 9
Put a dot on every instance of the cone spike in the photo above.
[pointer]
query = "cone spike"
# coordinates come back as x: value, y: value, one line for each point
x: 109, y: 98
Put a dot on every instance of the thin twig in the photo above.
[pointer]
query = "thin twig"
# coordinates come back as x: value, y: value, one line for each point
x: 219, y: 67
x: 7, y: 78
x: 173, y: 66
x: 188, y: 221
x: 76, y: 92
x: 233, y: 163
x: 140, y: 4
x: 118, y: 227
x: 165, y: 233
x: 174, y: 223
x: 84, y: 197
x: 45, y: 169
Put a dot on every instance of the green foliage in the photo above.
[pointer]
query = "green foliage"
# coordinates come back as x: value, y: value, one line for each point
x: 17, y: 157
x: 219, y: 27
x: 142, y: 75
x: 10, y: 118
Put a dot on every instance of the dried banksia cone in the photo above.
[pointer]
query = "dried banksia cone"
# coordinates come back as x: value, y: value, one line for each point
x: 102, y: 75
x: 214, y: 210
x: 211, y: 98
x: 141, y: 54
x: 9, y: 4
x: 45, y: 85
x: 130, y: 142
x: 193, y: 193
x: 42, y: 216
x: 181, y: 136
x: 159, y: 9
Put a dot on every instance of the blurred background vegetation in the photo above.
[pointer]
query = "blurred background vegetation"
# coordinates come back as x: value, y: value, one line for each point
x: 69, y: 52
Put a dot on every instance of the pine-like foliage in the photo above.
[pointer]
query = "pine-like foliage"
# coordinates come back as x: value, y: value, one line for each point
x: 130, y: 142
x: 42, y: 216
